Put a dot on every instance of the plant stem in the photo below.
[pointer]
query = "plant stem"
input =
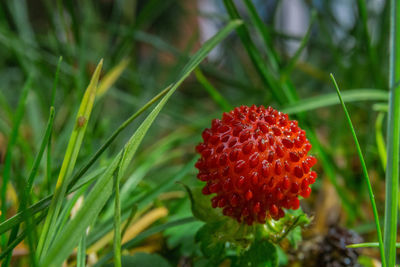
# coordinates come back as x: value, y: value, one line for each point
x: 117, y: 219
x: 393, y: 137
x: 8, y: 159
x: 365, y: 172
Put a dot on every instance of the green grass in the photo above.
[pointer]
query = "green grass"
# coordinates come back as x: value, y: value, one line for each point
x: 13, y: 139
x: 62, y: 193
x: 71, y: 154
x: 96, y: 199
x: 393, y: 138
x: 365, y: 174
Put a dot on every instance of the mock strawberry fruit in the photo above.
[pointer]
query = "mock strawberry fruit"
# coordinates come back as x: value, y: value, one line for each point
x: 255, y: 161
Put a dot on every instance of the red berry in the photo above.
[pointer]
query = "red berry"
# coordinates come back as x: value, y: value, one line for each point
x: 255, y: 161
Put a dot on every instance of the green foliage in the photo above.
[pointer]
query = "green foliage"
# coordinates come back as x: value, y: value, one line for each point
x: 55, y: 45
x: 97, y: 198
x: 71, y: 155
x: 221, y: 232
x: 365, y: 172
x: 262, y: 253
x: 211, y: 244
x: 393, y: 140
x: 201, y: 206
x: 143, y: 259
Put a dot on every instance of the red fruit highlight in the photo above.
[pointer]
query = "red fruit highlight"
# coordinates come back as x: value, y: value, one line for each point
x: 255, y: 161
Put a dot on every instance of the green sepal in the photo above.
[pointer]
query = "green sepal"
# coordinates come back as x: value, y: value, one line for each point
x: 201, y: 206
x: 287, y: 227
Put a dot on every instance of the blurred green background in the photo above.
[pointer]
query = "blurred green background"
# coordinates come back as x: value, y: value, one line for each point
x: 145, y: 45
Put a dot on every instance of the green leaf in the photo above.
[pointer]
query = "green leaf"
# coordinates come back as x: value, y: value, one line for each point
x: 380, y: 141
x: 255, y: 18
x: 145, y: 234
x: 143, y: 260
x: 117, y: 218
x: 74, y: 145
x: 354, y: 95
x: 294, y: 237
x: 215, y: 95
x: 67, y: 240
x: 49, y: 144
x: 25, y: 193
x: 287, y: 227
x: 368, y: 245
x: 255, y: 56
x: 261, y: 254
x: 286, y: 72
x: 201, y: 206
x: 44, y: 203
x: 11, y: 143
x: 18, y: 239
x: 81, y: 254
x: 393, y: 140
x: 365, y: 174
x: 211, y: 244
x: 214, y: 236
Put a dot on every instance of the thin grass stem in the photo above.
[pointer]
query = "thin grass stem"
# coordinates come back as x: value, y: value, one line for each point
x: 368, y: 245
x: 215, y: 95
x: 393, y: 137
x: 365, y: 172
x: 8, y: 159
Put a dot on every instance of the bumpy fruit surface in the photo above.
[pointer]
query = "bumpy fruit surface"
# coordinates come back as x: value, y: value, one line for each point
x: 255, y: 161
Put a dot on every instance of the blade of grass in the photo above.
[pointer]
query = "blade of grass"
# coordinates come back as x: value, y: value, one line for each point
x: 142, y: 222
x: 140, y: 237
x: 362, y: 10
x: 292, y: 62
x: 368, y: 245
x: 25, y: 192
x: 48, y: 154
x: 70, y: 204
x: 111, y: 77
x: 393, y: 137
x: 114, y: 135
x: 44, y: 203
x: 81, y: 255
x: 39, y: 156
x: 129, y: 220
x: 263, y: 31
x: 102, y: 190
x: 380, y: 141
x: 382, y: 107
x: 10, y: 147
x: 255, y: 56
x: 286, y: 86
x: 215, y: 95
x: 5, y: 105
x: 365, y: 172
x: 68, y: 165
x: 354, y: 95
x: 29, y: 225
x: 55, y: 83
x: 142, y: 201
x: 18, y: 239
x: 117, y: 219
